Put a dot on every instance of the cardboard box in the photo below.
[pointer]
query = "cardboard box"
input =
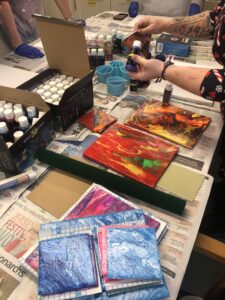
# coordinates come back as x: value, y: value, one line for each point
x: 171, y: 44
x: 22, y: 153
x: 66, y: 52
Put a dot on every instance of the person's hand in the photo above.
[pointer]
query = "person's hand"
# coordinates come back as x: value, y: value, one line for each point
x: 28, y: 51
x: 147, y: 68
x: 152, y: 25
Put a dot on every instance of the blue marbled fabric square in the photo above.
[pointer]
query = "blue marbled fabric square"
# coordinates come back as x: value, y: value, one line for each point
x: 66, y: 264
x: 132, y: 253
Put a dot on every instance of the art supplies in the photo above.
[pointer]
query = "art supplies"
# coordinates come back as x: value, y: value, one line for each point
x: 17, y: 180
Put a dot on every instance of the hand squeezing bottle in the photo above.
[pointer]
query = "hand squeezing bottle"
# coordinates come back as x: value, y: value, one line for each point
x: 131, y: 66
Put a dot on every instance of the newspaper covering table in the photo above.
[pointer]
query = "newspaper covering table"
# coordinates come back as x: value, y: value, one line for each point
x: 176, y: 247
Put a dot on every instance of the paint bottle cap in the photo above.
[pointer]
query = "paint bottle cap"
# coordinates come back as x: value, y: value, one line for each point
x: 93, y: 51
x: 34, y: 120
x: 169, y: 86
x: 8, y: 105
x: 58, y: 79
x: 101, y: 37
x: 114, y: 32
x: 69, y: 78
x: 49, y: 100
x: 52, y: 83
x: 65, y: 82
x: 2, y: 102
x: 18, y: 113
x: 100, y: 51
x: 60, y: 92
x: 17, y: 105
x: 55, y: 97
x: 17, y: 135
x: 137, y: 43
x: 59, y: 85
x: 32, y: 175
x: 62, y: 76
x: 9, y: 144
x: 66, y: 86
x: 31, y: 111
x: 23, y: 122
x: 109, y: 38
x: 40, y: 92
x: 46, y: 87
x: 9, y: 113
x: 47, y: 94
x: 3, y: 128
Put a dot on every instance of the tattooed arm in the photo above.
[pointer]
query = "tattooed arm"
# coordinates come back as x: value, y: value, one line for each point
x: 192, y: 26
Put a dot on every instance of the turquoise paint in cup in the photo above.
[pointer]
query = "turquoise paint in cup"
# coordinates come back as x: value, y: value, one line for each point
x: 124, y: 73
x: 116, y: 85
x: 116, y: 64
x: 103, y: 72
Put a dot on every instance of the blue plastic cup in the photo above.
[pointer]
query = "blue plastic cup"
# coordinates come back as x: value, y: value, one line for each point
x: 124, y: 73
x: 103, y: 72
x: 116, y: 64
x: 116, y: 85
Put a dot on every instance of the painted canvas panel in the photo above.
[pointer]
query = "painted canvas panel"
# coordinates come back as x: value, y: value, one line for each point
x: 99, y: 201
x: 132, y: 253
x: 66, y: 264
x: 171, y: 122
x: 132, y: 153
x: 96, y: 120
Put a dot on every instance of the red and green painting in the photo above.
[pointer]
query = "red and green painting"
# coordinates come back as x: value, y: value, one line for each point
x: 132, y: 153
x: 171, y: 122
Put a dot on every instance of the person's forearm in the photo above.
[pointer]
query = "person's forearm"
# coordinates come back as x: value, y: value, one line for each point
x: 188, y: 78
x: 9, y: 24
x: 64, y: 7
x: 192, y: 26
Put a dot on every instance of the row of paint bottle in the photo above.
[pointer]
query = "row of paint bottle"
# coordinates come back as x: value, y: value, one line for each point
x: 110, y: 43
x: 15, y: 119
x: 52, y: 89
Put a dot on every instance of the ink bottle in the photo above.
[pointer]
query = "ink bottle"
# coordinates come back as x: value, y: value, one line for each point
x: 10, y: 119
x: 167, y: 94
x: 23, y: 123
x: 101, y: 57
x: 5, y: 133
x: 118, y: 48
x: 32, y: 112
x: 17, y: 135
x: 131, y: 66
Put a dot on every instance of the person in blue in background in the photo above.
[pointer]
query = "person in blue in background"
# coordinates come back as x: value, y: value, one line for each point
x: 19, y: 26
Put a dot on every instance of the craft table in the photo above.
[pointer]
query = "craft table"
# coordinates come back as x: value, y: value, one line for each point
x: 176, y: 247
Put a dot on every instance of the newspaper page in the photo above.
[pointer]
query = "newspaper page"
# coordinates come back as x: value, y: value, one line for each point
x: 26, y: 290
x: 19, y: 227
x: 11, y: 274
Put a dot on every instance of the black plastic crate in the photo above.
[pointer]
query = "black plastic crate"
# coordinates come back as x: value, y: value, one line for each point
x: 76, y: 100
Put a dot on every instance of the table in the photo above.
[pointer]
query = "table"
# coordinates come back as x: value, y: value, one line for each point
x: 176, y: 247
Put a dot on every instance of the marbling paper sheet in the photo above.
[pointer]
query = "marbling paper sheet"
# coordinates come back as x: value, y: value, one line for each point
x: 66, y: 264
x: 96, y: 120
x: 132, y: 253
x: 171, y: 122
x: 100, y: 201
x: 95, y: 222
x: 132, y: 153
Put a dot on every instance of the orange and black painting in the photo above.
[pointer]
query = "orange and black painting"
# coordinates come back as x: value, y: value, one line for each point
x: 132, y: 153
x: 96, y: 120
x: 171, y: 122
